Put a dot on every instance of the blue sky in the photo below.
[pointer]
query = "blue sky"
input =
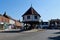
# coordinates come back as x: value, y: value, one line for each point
x: 48, y: 9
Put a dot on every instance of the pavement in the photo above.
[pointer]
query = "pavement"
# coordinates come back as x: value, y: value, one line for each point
x: 10, y: 30
x: 19, y: 30
x: 34, y: 30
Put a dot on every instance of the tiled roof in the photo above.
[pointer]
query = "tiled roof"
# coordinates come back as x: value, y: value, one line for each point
x: 5, y: 15
x: 31, y: 11
x: 55, y: 20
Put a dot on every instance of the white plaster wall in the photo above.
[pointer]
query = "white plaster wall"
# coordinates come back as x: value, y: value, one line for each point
x: 38, y: 18
x: 31, y: 18
x: 11, y: 21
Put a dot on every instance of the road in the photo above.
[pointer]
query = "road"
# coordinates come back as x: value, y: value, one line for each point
x: 41, y: 35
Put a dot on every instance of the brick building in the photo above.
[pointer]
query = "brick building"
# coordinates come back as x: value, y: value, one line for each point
x: 5, y: 19
x: 54, y: 23
x: 18, y: 24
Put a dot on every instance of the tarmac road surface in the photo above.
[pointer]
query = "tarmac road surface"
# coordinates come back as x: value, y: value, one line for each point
x: 41, y: 35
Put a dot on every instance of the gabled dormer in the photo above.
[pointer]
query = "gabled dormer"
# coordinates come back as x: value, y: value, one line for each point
x: 5, y: 15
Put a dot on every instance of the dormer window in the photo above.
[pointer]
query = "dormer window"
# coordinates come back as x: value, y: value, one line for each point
x: 28, y: 17
x: 35, y: 17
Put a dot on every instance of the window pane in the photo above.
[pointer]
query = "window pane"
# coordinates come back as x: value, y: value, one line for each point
x: 35, y: 17
x: 23, y: 18
x: 28, y: 17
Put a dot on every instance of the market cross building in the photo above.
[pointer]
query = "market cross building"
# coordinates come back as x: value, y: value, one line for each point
x: 31, y: 18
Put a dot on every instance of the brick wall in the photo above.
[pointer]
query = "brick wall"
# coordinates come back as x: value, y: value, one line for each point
x: 18, y: 24
x: 4, y: 19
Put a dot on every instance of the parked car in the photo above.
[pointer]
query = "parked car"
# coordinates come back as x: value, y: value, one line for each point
x: 44, y: 25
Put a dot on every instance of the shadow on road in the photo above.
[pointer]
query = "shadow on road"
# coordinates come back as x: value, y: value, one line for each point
x: 56, y: 33
x: 54, y: 38
x: 10, y: 32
